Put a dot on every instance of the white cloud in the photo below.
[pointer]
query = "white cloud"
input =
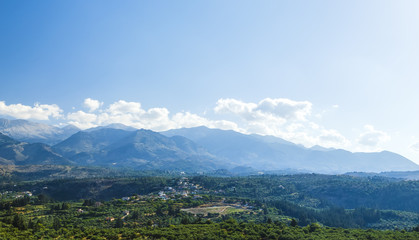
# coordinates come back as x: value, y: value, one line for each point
x: 280, y: 108
x: 372, y: 138
x: 37, y: 112
x: 92, y: 104
x: 242, y: 109
x: 285, y: 108
x: 123, y: 107
x: 415, y: 146
x: 82, y: 120
x: 332, y: 138
x: 188, y: 120
x: 132, y: 114
x: 282, y: 118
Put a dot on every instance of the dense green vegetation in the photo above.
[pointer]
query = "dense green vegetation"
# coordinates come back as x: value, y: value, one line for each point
x: 19, y: 173
x: 305, y: 206
x: 315, y: 190
x: 143, y: 217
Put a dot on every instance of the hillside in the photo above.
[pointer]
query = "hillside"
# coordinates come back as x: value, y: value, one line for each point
x: 141, y: 149
x: 271, y: 153
x: 28, y: 131
x: 13, y: 152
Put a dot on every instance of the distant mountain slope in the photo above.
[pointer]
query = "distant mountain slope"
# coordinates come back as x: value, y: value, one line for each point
x: 188, y: 149
x: 89, y: 142
x: 32, y: 132
x: 270, y: 153
x: 141, y: 149
x: 236, y: 148
x: 113, y: 126
x: 13, y: 152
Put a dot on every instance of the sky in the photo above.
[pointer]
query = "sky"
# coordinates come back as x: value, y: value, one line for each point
x: 342, y: 74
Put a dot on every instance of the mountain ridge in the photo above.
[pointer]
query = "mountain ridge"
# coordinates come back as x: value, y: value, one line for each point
x: 141, y: 149
x: 190, y: 149
x: 264, y: 152
x: 13, y: 152
x: 32, y: 132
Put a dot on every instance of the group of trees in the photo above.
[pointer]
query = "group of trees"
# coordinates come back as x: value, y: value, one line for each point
x: 228, y: 229
x: 279, y: 207
x: 327, y: 190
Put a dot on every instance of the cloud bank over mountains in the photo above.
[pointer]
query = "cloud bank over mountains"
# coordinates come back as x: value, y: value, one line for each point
x: 372, y: 137
x: 37, y: 112
x: 285, y: 118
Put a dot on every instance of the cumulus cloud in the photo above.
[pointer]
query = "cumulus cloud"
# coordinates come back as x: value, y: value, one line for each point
x: 332, y: 138
x: 82, y: 120
x: 285, y: 108
x: 415, y: 146
x: 37, y: 112
x: 123, y: 107
x: 283, y: 118
x: 188, y: 120
x: 373, y: 138
x: 242, y: 109
x: 132, y: 114
x: 280, y: 108
x: 92, y: 104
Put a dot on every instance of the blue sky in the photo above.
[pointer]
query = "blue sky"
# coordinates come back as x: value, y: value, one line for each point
x: 334, y: 73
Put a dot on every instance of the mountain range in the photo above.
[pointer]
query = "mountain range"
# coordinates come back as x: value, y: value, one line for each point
x: 13, y: 152
x: 268, y: 152
x: 141, y: 149
x: 32, y: 132
x: 187, y: 149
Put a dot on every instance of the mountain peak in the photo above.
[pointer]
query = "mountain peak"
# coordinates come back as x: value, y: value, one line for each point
x: 268, y: 152
x: 112, y: 126
x: 31, y: 132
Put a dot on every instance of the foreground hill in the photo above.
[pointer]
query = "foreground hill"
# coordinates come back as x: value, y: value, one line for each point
x: 141, y: 149
x: 13, y: 152
x: 32, y: 132
x: 270, y: 153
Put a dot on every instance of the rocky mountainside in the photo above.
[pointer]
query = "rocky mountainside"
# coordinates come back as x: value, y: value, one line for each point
x: 141, y: 149
x: 187, y: 149
x: 32, y: 132
x: 13, y: 152
x: 271, y: 153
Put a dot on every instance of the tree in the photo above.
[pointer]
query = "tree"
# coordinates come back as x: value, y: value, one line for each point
x: 65, y: 206
x: 293, y: 223
x: 19, y: 222
x: 119, y: 223
x: 56, y: 224
x: 135, y: 215
x: 313, y: 227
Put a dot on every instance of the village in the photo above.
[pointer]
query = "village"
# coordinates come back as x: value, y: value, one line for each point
x: 182, y: 189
